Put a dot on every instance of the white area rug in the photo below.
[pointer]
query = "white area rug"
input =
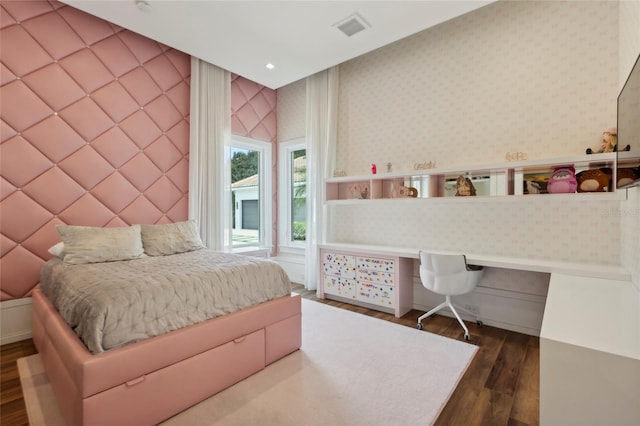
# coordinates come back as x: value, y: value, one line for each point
x: 352, y: 370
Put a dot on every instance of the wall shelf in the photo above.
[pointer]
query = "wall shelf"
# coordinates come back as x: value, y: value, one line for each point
x: 489, y: 180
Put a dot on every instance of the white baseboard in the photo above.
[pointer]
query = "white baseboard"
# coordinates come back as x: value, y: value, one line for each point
x: 15, y: 320
x: 293, y: 265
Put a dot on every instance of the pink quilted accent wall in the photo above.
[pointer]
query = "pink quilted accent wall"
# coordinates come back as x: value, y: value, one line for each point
x: 253, y: 110
x: 94, y: 131
x: 253, y: 115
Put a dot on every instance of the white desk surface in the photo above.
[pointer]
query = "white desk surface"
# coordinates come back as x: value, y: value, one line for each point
x: 612, y: 272
x: 593, y: 306
x: 593, y: 313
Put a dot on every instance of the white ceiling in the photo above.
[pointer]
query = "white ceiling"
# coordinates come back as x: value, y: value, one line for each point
x: 298, y: 37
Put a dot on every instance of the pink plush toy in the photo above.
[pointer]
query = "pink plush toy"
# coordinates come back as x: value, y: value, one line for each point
x: 562, y: 180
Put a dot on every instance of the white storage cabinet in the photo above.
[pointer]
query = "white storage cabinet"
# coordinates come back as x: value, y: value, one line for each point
x: 378, y: 282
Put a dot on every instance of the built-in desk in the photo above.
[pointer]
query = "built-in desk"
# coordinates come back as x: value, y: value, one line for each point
x: 589, y: 339
x: 613, y: 272
x: 590, y: 352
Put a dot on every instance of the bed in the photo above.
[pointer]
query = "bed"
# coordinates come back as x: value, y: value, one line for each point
x: 104, y: 376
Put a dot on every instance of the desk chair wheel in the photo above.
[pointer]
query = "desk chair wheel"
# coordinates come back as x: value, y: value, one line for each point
x: 419, y: 326
x: 467, y: 337
x: 480, y: 323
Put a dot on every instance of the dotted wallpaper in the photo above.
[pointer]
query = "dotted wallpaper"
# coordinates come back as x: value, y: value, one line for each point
x: 513, y: 76
x: 291, y: 111
x: 629, y: 37
x: 537, y: 77
x: 554, y: 227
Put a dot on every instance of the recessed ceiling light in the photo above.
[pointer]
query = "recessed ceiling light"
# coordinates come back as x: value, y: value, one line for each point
x: 270, y: 66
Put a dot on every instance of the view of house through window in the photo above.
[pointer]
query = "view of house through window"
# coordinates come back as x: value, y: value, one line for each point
x: 292, y: 196
x: 298, y: 200
x: 251, y: 194
x: 249, y: 184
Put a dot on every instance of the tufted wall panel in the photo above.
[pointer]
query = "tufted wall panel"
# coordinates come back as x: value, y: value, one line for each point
x: 253, y: 110
x: 253, y: 115
x: 94, y: 131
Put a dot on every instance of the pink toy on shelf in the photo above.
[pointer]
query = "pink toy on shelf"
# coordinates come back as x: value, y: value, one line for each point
x: 373, y: 169
x: 562, y: 180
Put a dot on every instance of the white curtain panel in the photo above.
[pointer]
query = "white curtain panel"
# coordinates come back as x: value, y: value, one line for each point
x: 210, y: 139
x: 321, y: 135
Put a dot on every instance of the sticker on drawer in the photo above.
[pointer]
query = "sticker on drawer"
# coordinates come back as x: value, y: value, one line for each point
x: 339, y: 286
x: 339, y: 265
x: 375, y: 277
x: 376, y: 264
x: 381, y: 295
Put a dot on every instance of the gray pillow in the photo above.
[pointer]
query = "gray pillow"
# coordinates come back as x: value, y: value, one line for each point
x: 170, y: 238
x: 89, y: 244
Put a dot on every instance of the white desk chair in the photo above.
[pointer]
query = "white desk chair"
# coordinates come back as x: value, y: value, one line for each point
x: 448, y: 275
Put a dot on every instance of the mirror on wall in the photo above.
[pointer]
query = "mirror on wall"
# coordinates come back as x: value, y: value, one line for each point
x: 628, y: 164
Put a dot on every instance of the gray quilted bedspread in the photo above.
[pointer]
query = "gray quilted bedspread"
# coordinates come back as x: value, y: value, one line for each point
x: 112, y: 304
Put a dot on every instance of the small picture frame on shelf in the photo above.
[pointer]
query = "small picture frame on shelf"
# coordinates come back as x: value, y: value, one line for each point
x: 359, y: 191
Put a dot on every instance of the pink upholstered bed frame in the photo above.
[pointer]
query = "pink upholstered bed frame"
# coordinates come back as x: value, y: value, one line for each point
x: 150, y: 381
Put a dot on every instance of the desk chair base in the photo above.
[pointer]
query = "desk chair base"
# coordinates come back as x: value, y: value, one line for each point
x: 448, y: 304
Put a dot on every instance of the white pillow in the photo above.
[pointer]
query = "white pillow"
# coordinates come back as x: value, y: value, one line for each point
x: 170, y: 238
x: 88, y: 244
x: 57, y: 250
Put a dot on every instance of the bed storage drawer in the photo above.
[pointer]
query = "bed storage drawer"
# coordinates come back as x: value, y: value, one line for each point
x: 283, y: 338
x: 143, y: 400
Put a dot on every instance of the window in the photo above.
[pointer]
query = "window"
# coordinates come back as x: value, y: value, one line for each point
x: 293, y: 195
x: 250, y: 193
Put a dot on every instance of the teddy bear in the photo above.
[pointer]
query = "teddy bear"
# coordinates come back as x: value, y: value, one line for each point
x: 594, y: 180
x: 627, y: 175
x: 609, y: 142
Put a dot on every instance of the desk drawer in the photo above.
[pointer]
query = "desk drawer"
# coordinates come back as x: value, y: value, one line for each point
x: 375, y: 277
x: 381, y: 295
x: 376, y: 264
x: 339, y: 265
x: 339, y: 286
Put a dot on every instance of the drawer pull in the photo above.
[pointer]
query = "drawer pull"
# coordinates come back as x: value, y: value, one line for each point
x: 135, y: 381
x: 239, y: 339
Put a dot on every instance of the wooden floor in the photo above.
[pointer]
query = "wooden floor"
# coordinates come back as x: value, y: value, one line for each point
x: 12, y: 411
x: 501, y: 386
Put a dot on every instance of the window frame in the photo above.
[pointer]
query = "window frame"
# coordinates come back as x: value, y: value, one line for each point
x: 264, y: 191
x: 285, y: 180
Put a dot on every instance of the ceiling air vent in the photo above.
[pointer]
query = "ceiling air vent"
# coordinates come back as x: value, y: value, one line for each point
x: 352, y: 25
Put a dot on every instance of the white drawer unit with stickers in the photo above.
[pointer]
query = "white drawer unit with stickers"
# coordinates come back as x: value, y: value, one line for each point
x: 373, y: 281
